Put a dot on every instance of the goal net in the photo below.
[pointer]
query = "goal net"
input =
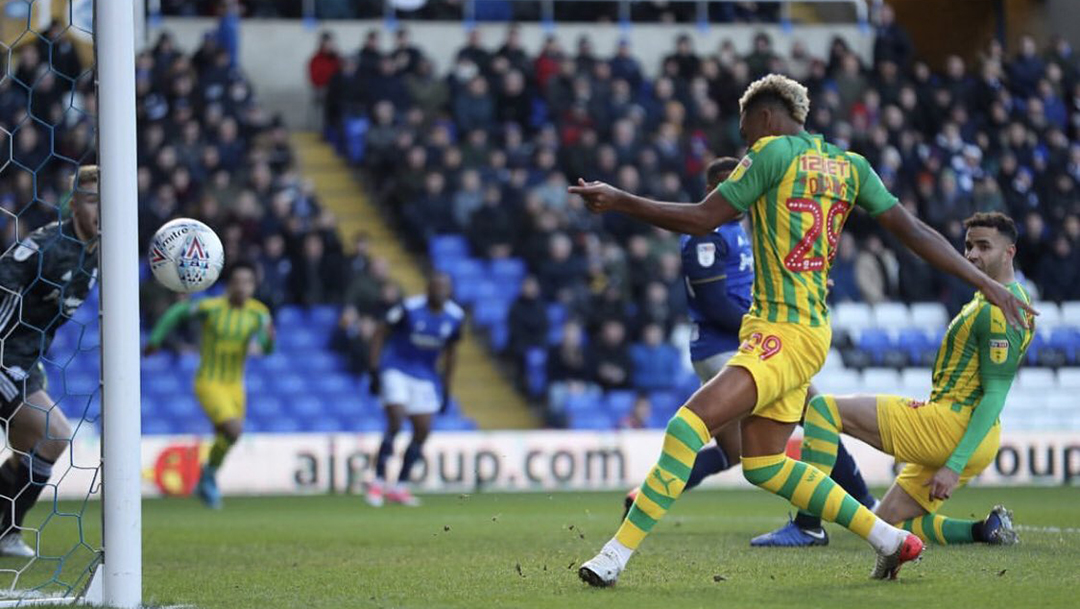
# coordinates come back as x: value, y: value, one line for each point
x: 50, y: 335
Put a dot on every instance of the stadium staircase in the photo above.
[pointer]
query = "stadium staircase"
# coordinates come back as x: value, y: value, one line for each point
x: 485, y: 394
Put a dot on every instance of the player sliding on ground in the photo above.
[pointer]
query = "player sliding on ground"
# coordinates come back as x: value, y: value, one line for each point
x: 953, y: 437
x: 404, y: 358
x: 799, y: 190
x: 719, y: 271
x: 43, y: 280
x: 228, y: 324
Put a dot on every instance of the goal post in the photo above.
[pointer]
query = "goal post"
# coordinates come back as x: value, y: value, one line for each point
x: 121, y: 568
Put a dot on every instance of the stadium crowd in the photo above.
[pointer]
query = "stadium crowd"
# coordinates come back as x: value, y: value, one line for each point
x: 487, y: 150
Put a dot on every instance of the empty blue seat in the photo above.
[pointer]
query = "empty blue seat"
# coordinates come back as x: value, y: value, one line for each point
x: 581, y: 402
x: 444, y: 248
x: 290, y: 384
x: 619, y: 403
x: 875, y: 342
x: 181, y: 405
x: 595, y: 420
x: 914, y: 342
x: 306, y: 408
x: 499, y: 336
x: 282, y: 425
x: 664, y: 402
x: 289, y: 316
x: 154, y: 427
x: 323, y: 424
x: 297, y: 338
x: 508, y: 271
x: 354, y: 138
x: 1067, y: 339
x: 322, y: 316
x: 490, y: 312
x: 369, y: 423
x: 265, y: 405
x: 452, y: 423
x: 162, y: 383
x: 187, y: 361
x: 557, y: 316
x: 80, y: 383
x: 536, y: 370
x: 154, y: 363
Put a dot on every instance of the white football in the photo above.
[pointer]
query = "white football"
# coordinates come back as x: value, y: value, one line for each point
x: 186, y: 255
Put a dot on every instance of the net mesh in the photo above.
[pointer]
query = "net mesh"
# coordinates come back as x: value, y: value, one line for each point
x: 48, y: 130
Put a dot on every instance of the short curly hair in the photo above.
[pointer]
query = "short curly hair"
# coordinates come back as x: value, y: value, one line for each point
x: 780, y: 89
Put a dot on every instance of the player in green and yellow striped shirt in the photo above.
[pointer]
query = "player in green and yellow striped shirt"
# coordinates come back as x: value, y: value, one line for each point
x: 798, y: 190
x: 952, y: 438
x: 228, y: 324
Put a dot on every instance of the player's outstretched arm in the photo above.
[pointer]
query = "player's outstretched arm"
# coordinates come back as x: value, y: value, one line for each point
x: 694, y: 219
x: 932, y: 247
x: 168, y: 322
x: 267, y: 334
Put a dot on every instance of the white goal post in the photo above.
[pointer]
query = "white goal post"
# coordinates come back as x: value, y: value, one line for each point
x: 120, y: 573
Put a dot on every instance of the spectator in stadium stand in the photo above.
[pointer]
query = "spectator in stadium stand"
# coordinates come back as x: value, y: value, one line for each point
x: 610, y: 357
x: 656, y: 363
x: 492, y: 227
x: 528, y: 321
x: 876, y: 271
x: 638, y: 417
x: 568, y: 367
x: 891, y: 41
x: 845, y: 288
x: 323, y: 65
x: 352, y: 339
x: 1059, y: 272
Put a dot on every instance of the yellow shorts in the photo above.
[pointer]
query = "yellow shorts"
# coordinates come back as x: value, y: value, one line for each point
x: 923, y: 435
x: 782, y: 358
x: 221, y: 401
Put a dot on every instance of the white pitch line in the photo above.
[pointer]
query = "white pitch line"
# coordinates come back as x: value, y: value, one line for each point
x: 1049, y: 530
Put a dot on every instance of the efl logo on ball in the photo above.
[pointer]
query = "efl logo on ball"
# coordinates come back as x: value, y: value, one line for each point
x: 185, y: 255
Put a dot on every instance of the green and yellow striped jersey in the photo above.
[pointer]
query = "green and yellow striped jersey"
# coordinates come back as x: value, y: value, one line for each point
x: 799, y: 190
x: 226, y: 334
x: 979, y: 346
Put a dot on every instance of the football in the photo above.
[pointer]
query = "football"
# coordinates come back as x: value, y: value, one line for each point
x: 186, y: 255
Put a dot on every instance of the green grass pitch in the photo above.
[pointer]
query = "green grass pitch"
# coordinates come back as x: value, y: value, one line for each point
x: 523, y: 550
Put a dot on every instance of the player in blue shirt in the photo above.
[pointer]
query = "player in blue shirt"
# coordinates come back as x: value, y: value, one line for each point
x: 719, y: 272
x: 405, y: 355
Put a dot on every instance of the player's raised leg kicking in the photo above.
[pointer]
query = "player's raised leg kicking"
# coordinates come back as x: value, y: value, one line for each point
x: 228, y: 325
x: 43, y: 279
x: 799, y: 190
x: 405, y: 355
x: 719, y: 271
x: 953, y: 437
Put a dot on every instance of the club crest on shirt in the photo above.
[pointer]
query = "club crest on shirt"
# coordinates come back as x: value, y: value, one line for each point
x: 740, y: 169
x: 706, y: 254
x: 999, y: 350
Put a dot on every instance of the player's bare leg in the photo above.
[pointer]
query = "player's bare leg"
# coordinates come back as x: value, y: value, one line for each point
x: 375, y: 492
x: 400, y: 493
x: 38, y: 433
x: 226, y: 434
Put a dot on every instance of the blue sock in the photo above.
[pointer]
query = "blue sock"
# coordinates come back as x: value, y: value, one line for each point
x: 710, y: 460
x: 412, y: 455
x: 386, y: 450
x: 845, y: 473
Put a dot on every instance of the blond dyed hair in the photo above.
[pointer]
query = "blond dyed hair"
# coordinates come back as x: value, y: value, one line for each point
x: 86, y: 178
x: 786, y: 90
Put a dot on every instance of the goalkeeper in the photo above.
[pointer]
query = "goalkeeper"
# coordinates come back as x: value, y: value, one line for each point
x: 44, y: 279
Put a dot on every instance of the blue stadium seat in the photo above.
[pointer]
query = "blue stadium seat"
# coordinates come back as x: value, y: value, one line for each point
x: 290, y: 384
x: 490, y: 312
x: 369, y: 423
x: 1038, y: 342
x: 163, y: 384
x: 282, y: 425
x: 1067, y: 339
x: 299, y: 338
x: 181, y: 405
x: 264, y: 405
x: 322, y: 316
x: 664, y: 403
x: 323, y: 424
x: 914, y: 342
x: 619, y: 403
x: 306, y: 408
x: 445, y: 248
x: 188, y: 361
x: 582, y: 402
x: 79, y: 383
x: 155, y: 427
x: 595, y: 420
x: 354, y: 138
x: 289, y: 316
x: 536, y: 371
x: 154, y: 363
x: 494, y: 10
x: 557, y: 316
x: 875, y: 342
x: 508, y: 271
x: 499, y: 337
